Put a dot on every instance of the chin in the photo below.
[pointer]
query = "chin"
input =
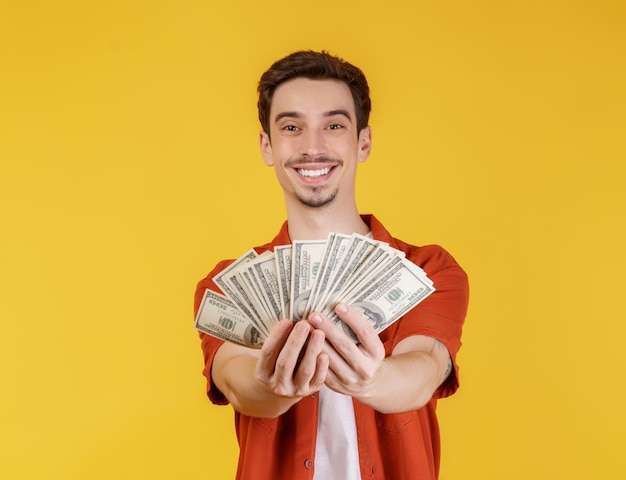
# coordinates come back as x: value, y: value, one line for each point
x: 318, y: 201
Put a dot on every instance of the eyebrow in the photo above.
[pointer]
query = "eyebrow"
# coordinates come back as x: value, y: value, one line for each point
x: 330, y: 113
x: 345, y: 113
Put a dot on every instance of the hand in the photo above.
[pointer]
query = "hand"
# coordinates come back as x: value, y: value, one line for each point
x: 353, y: 367
x: 291, y: 363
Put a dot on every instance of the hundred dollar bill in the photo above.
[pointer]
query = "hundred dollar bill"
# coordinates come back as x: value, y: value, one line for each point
x: 253, y: 290
x: 222, y: 280
x: 321, y: 267
x: 394, y: 293
x: 283, y: 271
x: 355, y: 276
x: 306, y: 257
x: 219, y: 317
x: 336, y: 247
x: 263, y: 270
x: 231, y: 282
x: 366, y: 277
x: 247, y: 300
x: 254, y: 295
x: 359, y: 248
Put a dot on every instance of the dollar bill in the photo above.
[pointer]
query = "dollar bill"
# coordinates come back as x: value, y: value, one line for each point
x: 247, y: 300
x: 282, y: 255
x: 294, y: 280
x: 219, y: 317
x: 254, y: 294
x: 360, y: 266
x: 263, y: 270
x: 305, y: 261
x: 221, y: 279
x: 230, y: 290
x: 346, y: 264
x: 363, y: 278
x: 235, y: 282
x: 336, y: 247
x: 392, y: 295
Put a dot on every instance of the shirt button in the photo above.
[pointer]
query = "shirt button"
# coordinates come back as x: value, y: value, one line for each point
x: 308, y: 463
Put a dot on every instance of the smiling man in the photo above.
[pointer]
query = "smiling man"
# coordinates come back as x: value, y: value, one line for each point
x: 315, y: 150
x: 312, y: 403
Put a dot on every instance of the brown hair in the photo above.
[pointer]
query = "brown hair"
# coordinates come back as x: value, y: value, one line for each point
x: 315, y: 66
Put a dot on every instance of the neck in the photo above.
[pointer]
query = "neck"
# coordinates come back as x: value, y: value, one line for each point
x: 306, y: 223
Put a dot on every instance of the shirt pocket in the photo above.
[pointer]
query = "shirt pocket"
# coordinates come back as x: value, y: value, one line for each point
x: 271, y: 425
x: 395, y: 422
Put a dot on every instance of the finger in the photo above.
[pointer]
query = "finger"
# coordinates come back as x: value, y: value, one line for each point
x: 321, y: 373
x: 339, y: 370
x: 308, y: 373
x: 288, y: 358
x: 342, y: 379
x: 368, y: 339
x: 341, y: 343
x: 333, y: 382
x: 271, y: 349
x: 329, y: 360
x: 353, y: 362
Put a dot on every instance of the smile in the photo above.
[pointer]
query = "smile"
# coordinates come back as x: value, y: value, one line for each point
x: 313, y: 173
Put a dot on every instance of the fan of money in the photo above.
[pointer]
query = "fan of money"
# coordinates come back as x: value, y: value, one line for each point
x: 306, y: 276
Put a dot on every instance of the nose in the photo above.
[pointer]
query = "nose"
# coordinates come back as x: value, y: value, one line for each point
x: 312, y: 143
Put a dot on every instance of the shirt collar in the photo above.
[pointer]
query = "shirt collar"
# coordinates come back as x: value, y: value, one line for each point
x: 378, y: 231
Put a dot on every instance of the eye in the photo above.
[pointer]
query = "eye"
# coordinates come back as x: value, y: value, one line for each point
x: 335, y: 126
x: 291, y: 128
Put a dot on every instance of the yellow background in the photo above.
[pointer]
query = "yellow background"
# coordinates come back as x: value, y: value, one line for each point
x: 129, y: 166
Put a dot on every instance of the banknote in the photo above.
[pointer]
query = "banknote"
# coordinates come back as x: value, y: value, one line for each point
x: 282, y: 255
x: 222, y: 281
x: 263, y: 270
x: 390, y: 296
x: 335, y: 249
x: 220, y: 317
x: 252, y: 294
x: 346, y: 263
x: 296, y: 279
x: 363, y: 278
x: 369, y: 259
x: 246, y: 299
x: 305, y: 262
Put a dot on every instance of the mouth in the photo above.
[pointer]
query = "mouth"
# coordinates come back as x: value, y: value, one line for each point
x: 316, y: 173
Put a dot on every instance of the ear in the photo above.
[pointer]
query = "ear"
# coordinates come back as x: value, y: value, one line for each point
x: 364, y: 144
x: 266, y: 148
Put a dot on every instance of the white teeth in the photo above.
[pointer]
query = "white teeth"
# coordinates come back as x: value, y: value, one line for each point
x: 313, y: 173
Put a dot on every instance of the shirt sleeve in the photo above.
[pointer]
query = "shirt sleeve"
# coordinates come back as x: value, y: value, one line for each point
x: 210, y: 344
x: 442, y: 314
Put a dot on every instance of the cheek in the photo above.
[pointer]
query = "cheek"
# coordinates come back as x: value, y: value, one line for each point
x: 281, y: 153
x: 281, y: 173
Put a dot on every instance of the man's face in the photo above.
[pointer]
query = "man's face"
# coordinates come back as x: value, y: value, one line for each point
x: 314, y: 143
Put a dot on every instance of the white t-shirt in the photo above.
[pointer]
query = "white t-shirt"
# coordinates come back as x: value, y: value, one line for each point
x: 336, y: 450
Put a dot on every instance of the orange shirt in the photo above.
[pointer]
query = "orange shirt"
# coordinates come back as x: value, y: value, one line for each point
x: 401, y: 446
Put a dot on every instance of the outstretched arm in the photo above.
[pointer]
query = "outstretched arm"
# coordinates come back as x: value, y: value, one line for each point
x: 405, y: 380
x: 267, y: 382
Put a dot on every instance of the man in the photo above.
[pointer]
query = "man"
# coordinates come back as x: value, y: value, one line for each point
x: 313, y: 404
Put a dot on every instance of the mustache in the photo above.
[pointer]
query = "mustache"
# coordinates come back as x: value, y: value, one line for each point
x: 301, y: 161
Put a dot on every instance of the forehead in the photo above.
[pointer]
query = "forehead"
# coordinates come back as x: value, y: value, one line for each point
x: 312, y: 97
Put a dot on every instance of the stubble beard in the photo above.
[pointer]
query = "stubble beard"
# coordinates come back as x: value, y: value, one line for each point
x: 317, y: 199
